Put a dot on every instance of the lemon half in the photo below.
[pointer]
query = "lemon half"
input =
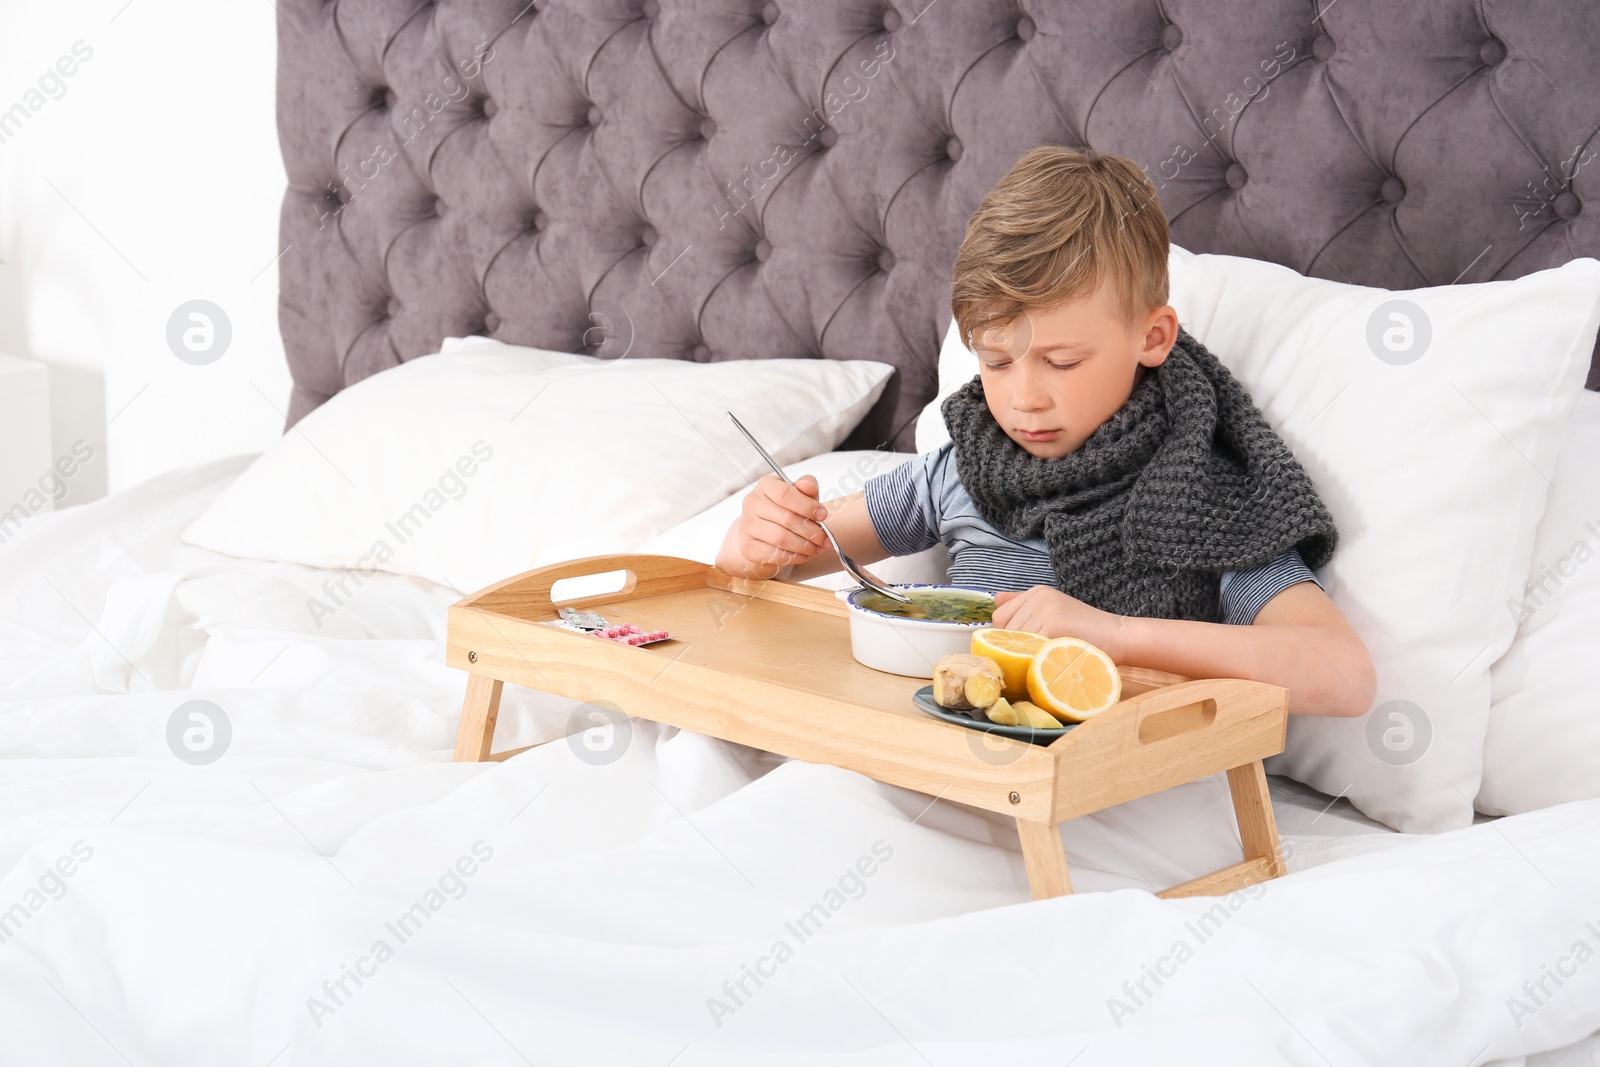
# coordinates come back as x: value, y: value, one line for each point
x: 1013, y: 650
x: 1072, y: 679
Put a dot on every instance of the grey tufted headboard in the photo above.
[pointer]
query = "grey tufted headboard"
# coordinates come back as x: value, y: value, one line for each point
x: 733, y: 179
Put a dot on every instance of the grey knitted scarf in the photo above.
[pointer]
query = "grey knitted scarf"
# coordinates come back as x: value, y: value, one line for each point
x: 1186, y: 480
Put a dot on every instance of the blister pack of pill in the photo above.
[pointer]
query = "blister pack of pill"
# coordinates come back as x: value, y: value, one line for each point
x: 596, y: 625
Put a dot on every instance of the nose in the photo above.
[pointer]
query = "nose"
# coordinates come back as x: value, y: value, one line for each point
x: 1030, y: 391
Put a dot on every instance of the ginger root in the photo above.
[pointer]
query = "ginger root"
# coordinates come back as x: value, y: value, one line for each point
x: 1002, y: 712
x: 1021, y: 713
x: 964, y: 682
x: 1031, y: 714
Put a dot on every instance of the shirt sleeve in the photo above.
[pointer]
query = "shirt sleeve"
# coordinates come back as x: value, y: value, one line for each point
x: 901, y: 507
x: 1243, y: 593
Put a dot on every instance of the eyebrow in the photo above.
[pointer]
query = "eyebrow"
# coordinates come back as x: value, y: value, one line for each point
x: 1046, y: 350
x: 1065, y: 346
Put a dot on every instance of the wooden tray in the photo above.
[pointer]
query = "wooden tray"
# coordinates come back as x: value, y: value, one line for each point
x: 767, y: 664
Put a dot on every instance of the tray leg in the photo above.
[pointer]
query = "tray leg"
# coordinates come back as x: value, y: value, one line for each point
x: 1045, y: 858
x: 1258, y: 826
x: 1258, y: 831
x: 478, y: 713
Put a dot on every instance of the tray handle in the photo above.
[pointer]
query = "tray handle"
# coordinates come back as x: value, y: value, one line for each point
x: 1217, y: 704
x: 528, y: 594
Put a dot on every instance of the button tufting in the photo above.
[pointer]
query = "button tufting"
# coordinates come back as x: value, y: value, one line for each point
x: 489, y: 107
x: 1567, y: 205
x: 769, y: 14
x: 708, y: 129
x: 437, y: 207
x: 886, y: 260
x: 1236, y: 177
x: 491, y: 322
x: 952, y: 149
x: 594, y: 116
x: 1025, y: 28
x: 1492, y: 52
x: 648, y: 237
x: 1171, y: 37
x: 701, y: 354
x: 828, y: 137
x: 650, y: 9
x: 540, y: 220
x: 891, y: 20
x: 763, y: 250
x: 393, y: 307
x: 1323, y: 48
x: 1393, y: 190
x: 383, y: 96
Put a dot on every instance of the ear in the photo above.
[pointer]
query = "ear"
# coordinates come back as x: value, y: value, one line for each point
x: 1159, y: 333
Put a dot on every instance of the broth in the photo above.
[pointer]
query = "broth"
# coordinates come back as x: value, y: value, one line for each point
x: 934, y: 605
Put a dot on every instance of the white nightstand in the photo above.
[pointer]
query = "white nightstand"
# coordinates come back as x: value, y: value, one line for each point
x: 25, y: 470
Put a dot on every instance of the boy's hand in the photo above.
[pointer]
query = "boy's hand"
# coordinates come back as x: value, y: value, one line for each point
x: 778, y: 525
x: 1048, y: 611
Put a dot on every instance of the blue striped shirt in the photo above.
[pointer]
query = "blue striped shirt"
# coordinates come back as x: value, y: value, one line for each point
x: 922, y: 502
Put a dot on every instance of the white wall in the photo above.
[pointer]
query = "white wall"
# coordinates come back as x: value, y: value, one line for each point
x: 147, y: 178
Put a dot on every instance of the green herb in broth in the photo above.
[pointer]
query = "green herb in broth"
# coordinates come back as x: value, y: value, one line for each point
x: 934, y: 605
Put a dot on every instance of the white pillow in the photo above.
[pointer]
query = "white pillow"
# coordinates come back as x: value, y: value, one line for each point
x: 837, y: 474
x: 1428, y: 419
x: 1543, y: 743
x: 957, y: 366
x: 1432, y: 471
x: 474, y: 466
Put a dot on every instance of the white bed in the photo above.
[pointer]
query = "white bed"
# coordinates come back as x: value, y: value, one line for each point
x: 608, y: 903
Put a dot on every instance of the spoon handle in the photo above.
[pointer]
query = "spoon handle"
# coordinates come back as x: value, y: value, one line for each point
x: 748, y: 436
x: 779, y: 472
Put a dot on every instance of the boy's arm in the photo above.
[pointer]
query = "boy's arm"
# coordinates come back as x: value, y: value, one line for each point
x: 850, y: 523
x: 1299, y: 640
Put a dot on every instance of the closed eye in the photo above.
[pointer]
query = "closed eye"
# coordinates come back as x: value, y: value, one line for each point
x: 1058, y: 366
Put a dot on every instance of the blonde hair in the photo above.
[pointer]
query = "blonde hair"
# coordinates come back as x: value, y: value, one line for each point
x: 1059, y: 223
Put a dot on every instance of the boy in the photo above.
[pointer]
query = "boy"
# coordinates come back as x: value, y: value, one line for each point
x: 1107, y: 478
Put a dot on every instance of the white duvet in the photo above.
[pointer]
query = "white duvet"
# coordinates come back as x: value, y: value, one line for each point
x: 332, y: 890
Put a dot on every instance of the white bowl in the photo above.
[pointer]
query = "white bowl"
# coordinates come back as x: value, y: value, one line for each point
x: 905, y: 646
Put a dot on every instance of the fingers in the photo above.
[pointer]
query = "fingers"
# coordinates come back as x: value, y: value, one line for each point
x: 1017, y: 619
x: 766, y: 541
x: 778, y: 523
x: 803, y: 497
x: 1011, y: 610
x: 790, y: 507
x: 764, y: 554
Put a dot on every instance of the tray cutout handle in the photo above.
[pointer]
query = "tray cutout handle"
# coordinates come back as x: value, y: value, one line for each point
x: 1159, y: 725
x: 531, y: 594
x: 1186, y: 707
x: 602, y: 584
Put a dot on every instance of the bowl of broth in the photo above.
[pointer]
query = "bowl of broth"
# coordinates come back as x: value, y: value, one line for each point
x: 908, y: 639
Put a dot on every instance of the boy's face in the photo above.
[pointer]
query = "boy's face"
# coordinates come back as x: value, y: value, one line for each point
x: 1051, y: 377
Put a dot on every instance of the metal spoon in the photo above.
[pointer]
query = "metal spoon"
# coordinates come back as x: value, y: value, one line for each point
x: 856, y: 571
